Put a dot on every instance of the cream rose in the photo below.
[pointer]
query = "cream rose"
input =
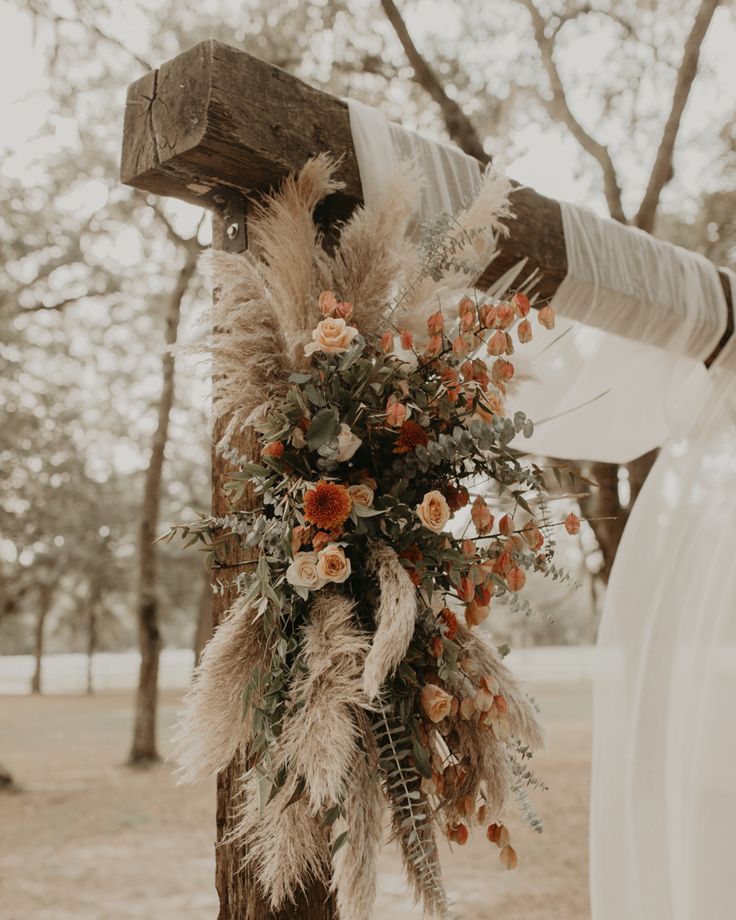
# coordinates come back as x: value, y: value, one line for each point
x: 434, y: 512
x: 332, y: 564
x: 435, y: 702
x: 304, y: 572
x: 347, y: 443
x: 331, y: 336
x: 361, y: 494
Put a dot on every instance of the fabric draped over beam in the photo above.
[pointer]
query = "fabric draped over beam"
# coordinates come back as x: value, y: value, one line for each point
x: 624, y: 373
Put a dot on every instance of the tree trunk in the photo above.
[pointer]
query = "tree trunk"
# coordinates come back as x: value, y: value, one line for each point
x: 239, y: 894
x: 604, y: 503
x: 6, y: 779
x: 44, y: 605
x: 143, y: 749
x: 92, y: 637
x: 204, y: 617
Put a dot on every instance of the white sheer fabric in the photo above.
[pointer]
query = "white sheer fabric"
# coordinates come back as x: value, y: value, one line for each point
x: 663, y: 818
x: 638, y: 318
x: 636, y: 315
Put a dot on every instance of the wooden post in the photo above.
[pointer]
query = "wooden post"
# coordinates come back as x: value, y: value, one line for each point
x: 215, y: 124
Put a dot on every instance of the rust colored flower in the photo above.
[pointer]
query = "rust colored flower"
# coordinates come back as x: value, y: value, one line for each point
x: 434, y: 345
x: 481, y: 515
x: 515, y: 579
x: 546, y: 317
x: 396, y: 412
x: 451, y: 623
x: 274, y: 449
x: 572, y: 524
x: 505, y: 316
x: 460, y: 346
x: 497, y: 343
x: 457, y: 497
x: 524, y: 331
x: 327, y: 505
x: 520, y: 303
x: 436, y: 323
x: 411, y: 436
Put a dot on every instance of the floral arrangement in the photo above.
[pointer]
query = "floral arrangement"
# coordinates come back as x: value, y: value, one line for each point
x: 351, y: 670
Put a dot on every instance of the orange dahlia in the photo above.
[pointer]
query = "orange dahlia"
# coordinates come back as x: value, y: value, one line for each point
x: 411, y: 436
x: 327, y: 505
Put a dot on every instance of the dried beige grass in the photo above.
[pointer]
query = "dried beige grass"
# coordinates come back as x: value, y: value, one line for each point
x: 374, y: 251
x: 319, y: 741
x: 355, y: 864
x: 522, y: 715
x: 213, y: 725
x: 395, y: 617
x: 287, y: 848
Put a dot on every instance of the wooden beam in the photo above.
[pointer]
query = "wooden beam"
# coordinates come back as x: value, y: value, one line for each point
x: 215, y: 116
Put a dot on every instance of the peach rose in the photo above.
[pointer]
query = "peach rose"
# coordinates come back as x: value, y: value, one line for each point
x: 303, y: 572
x: 361, y: 494
x: 434, y: 512
x: 331, y: 306
x: 331, y: 336
x: 435, y: 702
x: 332, y: 564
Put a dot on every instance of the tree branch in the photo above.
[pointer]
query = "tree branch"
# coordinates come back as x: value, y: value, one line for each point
x: 662, y: 171
x: 560, y: 109
x: 458, y: 125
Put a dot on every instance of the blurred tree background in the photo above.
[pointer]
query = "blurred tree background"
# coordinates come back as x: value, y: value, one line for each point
x: 103, y: 440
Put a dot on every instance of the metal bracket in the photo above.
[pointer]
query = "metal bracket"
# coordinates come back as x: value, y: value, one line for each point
x: 231, y: 205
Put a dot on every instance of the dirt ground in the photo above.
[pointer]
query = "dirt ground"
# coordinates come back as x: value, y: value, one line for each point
x: 86, y: 838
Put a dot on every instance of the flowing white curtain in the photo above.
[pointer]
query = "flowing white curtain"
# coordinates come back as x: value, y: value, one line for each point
x: 621, y: 374
x: 663, y: 820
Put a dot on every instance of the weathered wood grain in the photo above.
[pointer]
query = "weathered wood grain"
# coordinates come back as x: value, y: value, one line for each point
x: 216, y: 116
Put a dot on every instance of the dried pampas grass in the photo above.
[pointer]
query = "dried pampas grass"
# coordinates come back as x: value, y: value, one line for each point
x: 355, y: 864
x: 213, y: 725
x: 287, y: 847
x: 485, y: 661
x: 395, y: 617
x: 319, y: 739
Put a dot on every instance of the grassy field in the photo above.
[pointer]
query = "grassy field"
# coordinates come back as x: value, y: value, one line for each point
x: 86, y: 838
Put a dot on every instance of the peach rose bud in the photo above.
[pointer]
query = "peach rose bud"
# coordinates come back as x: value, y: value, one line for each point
x: 546, y: 317
x: 435, y: 702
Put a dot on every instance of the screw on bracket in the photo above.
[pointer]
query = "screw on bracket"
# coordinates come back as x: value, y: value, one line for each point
x: 231, y: 205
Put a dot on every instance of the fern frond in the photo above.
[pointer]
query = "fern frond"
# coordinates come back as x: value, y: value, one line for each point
x: 412, y: 821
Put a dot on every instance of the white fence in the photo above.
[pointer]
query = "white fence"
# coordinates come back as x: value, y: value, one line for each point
x: 119, y: 670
